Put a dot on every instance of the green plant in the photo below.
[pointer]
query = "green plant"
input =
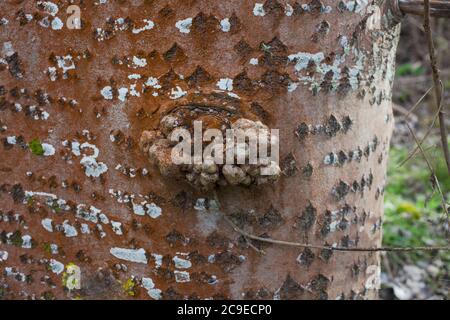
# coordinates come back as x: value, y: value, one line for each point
x: 36, y: 147
x: 413, y: 212
x: 409, y: 69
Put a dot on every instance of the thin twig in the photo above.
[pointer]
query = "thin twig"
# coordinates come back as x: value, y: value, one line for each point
x: 439, y: 8
x: 251, y: 245
x: 403, y: 112
x: 387, y: 264
x: 418, y: 102
x: 437, y: 81
x: 247, y: 236
x: 428, y: 131
x: 435, y: 118
x: 413, y: 81
x: 433, y: 174
x: 339, y: 249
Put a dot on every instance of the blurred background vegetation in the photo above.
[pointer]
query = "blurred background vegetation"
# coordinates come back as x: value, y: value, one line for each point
x: 413, y: 211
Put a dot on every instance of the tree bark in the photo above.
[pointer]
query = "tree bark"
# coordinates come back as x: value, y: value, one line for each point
x: 320, y: 72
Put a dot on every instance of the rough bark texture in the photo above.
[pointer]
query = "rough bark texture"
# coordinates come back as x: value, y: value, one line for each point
x: 319, y: 71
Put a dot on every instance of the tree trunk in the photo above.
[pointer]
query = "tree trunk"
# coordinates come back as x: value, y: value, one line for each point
x: 104, y: 223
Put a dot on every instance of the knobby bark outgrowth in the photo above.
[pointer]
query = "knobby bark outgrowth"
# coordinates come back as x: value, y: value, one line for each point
x: 85, y: 214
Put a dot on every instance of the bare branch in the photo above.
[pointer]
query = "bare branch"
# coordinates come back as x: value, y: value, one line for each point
x: 416, y: 7
x: 438, y: 89
x: 435, y: 119
x: 433, y: 174
x: 339, y: 249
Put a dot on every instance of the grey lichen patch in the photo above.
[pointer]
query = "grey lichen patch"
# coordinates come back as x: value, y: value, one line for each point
x: 357, y: 6
x: 355, y: 66
x: 113, y: 26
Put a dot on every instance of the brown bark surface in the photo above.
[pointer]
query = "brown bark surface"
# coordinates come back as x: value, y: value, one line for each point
x: 323, y: 76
